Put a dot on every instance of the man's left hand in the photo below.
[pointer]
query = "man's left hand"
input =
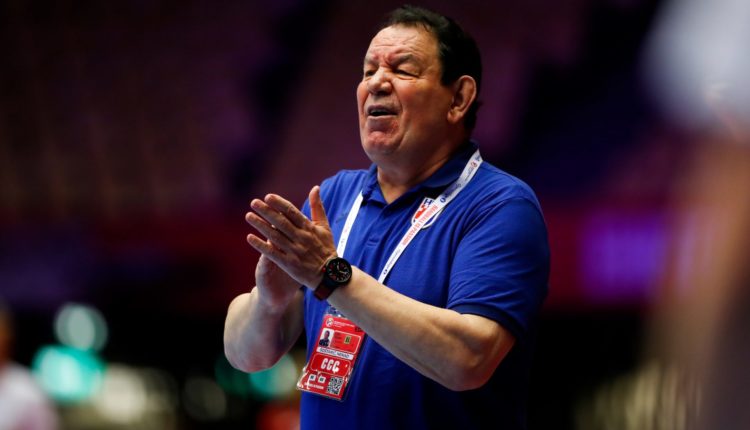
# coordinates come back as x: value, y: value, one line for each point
x: 298, y: 245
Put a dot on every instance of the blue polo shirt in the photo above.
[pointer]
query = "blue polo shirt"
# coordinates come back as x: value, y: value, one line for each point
x: 485, y: 253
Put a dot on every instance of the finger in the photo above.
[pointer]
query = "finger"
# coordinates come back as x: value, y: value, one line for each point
x: 275, y: 236
x: 281, y: 260
x: 266, y: 249
x: 260, y: 245
x: 286, y: 208
x: 274, y: 218
x: 317, y: 211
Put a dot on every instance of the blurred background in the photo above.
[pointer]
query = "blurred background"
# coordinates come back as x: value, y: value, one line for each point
x: 133, y: 135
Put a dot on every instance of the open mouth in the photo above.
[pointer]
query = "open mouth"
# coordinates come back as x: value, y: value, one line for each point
x: 378, y: 111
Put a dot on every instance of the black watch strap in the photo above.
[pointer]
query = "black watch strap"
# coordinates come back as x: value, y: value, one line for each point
x: 323, y: 291
x: 336, y: 273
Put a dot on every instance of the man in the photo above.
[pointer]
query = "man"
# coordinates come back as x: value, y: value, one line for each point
x: 326, y: 339
x: 430, y: 267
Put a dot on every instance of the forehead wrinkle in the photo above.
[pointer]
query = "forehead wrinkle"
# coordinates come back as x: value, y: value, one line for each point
x: 389, y: 45
x: 392, y: 59
x: 401, y: 50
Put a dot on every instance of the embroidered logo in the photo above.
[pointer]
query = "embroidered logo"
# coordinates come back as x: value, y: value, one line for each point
x: 420, y: 210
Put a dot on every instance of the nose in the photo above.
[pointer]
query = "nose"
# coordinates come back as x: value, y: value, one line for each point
x: 380, y: 82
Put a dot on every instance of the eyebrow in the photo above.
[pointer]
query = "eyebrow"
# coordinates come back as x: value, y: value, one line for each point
x: 398, y: 59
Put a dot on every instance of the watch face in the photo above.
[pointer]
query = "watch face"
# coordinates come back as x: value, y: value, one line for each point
x: 338, y: 271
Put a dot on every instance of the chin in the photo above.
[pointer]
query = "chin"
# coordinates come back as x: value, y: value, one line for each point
x: 377, y: 147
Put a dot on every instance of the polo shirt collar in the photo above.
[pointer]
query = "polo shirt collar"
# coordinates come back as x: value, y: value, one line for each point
x: 446, y: 174
x: 451, y: 170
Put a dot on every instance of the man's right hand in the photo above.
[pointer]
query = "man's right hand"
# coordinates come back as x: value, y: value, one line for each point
x: 263, y: 324
x: 276, y: 288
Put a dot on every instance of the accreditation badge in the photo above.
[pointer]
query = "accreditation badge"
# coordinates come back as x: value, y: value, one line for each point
x: 332, y: 360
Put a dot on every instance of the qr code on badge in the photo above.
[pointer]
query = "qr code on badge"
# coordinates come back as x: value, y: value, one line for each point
x: 334, y: 385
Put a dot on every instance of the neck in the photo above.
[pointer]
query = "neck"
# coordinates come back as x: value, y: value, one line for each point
x: 396, y: 180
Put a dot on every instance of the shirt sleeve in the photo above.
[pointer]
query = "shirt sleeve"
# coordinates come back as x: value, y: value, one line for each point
x: 501, y: 267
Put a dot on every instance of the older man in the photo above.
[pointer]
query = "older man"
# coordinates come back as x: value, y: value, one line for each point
x: 428, y: 268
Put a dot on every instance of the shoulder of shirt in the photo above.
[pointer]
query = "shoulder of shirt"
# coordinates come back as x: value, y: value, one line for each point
x: 347, y: 175
x: 344, y: 179
x: 500, y: 184
x: 342, y: 187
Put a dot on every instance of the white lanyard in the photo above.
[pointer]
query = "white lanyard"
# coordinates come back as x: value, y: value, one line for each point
x: 439, y: 203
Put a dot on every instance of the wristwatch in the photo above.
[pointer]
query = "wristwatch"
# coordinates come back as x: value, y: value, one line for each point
x: 336, y: 273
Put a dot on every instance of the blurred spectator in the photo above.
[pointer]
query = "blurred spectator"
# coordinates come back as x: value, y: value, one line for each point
x: 23, y: 405
x: 694, y: 374
x: 706, y: 329
x: 704, y: 322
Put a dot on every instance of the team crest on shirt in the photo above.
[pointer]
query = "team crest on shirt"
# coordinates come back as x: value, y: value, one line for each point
x: 422, y: 207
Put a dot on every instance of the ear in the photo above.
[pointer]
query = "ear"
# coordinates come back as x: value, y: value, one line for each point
x: 464, y: 93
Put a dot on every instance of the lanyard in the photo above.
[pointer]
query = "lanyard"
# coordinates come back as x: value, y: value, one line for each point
x: 433, y: 208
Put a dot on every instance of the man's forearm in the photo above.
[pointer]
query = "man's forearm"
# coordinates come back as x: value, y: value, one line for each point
x: 458, y: 351
x: 256, y: 336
